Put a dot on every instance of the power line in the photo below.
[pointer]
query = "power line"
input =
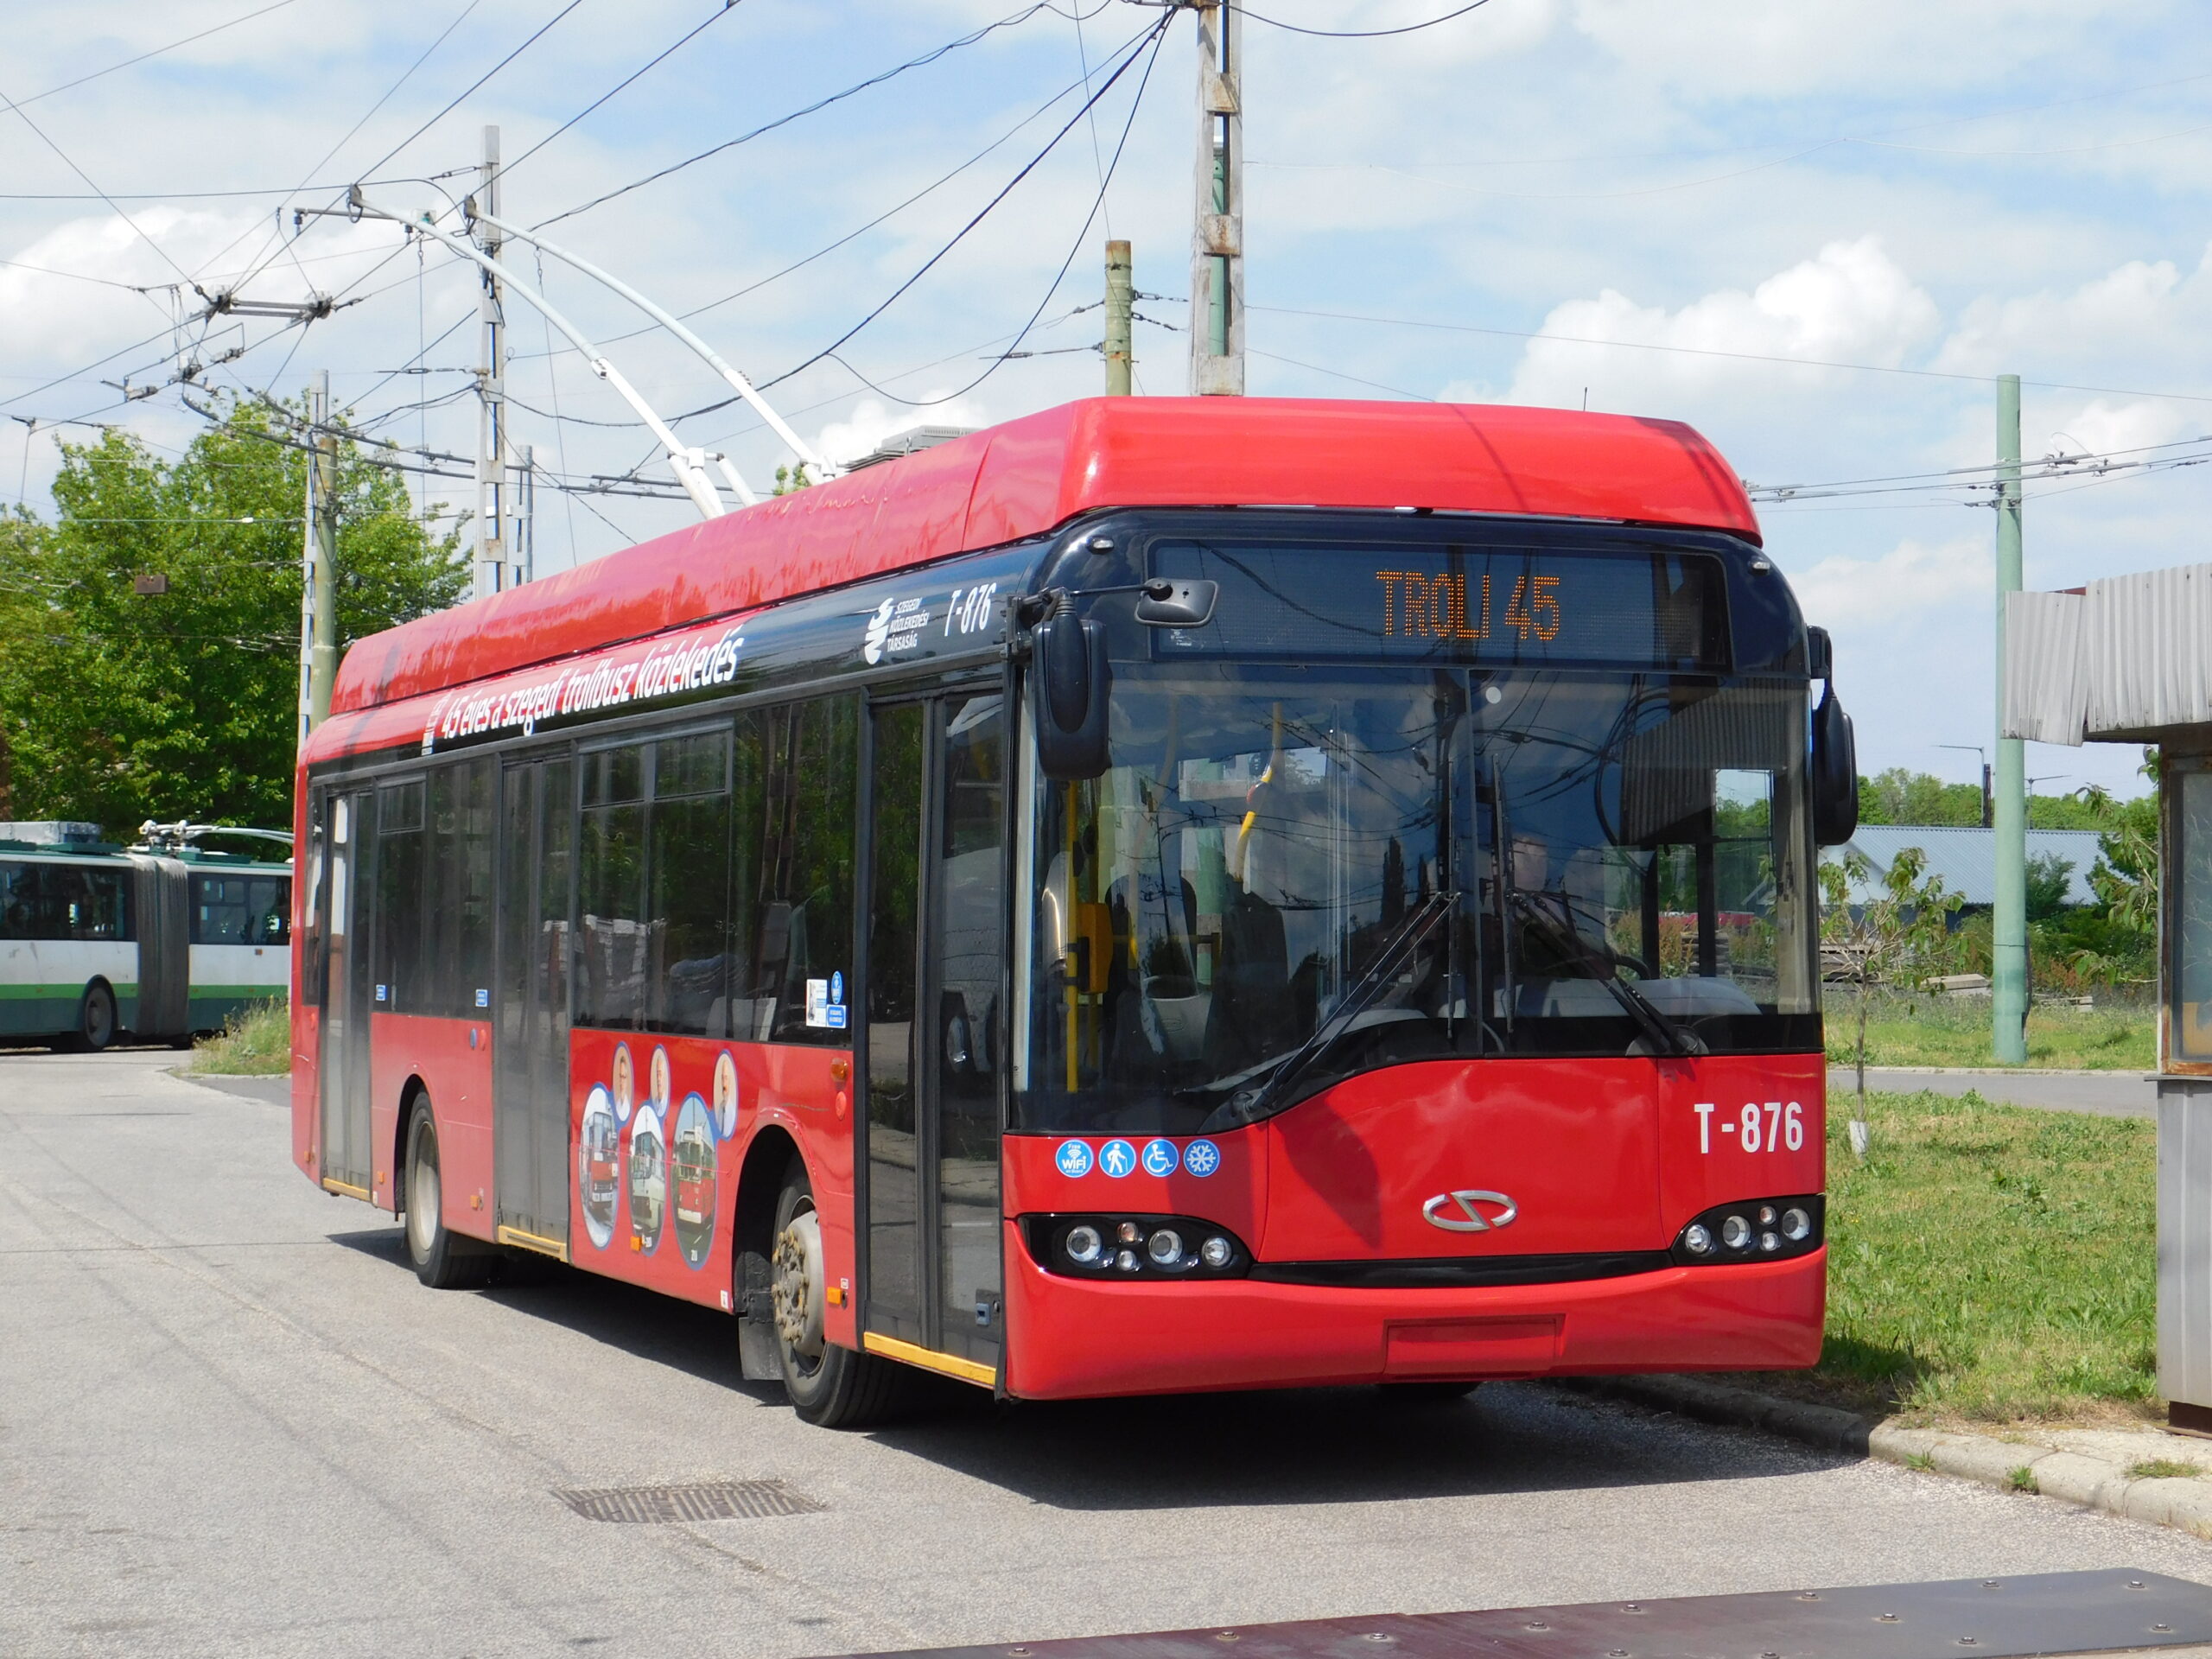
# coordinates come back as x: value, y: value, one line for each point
x: 930, y: 57
x: 1354, y: 33
x: 80, y: 81
x: 720, y: 11
x: 1154, y: 35
x: 473, y: 85
x: 80, y: 173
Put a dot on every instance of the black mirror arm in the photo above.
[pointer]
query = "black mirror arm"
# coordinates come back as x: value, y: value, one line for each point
x: 1030, y: 609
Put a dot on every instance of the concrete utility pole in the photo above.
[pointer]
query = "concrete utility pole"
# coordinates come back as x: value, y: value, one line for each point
x: 1120, y: 289
x: 525, y: 543
x: 1217, y: 237
x: 318, y: 556
x: 492, y: 569
x: 2009, y: 975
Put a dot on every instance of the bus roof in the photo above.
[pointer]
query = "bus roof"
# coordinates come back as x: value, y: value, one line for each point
x: 1028, y: 476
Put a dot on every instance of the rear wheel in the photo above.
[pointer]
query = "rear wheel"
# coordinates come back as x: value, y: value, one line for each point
x: 830, y: 1386
x: 444, y: 1259
x: 95, y: 1022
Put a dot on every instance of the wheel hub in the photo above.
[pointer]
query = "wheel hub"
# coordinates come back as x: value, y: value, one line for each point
x: 796, y: 1288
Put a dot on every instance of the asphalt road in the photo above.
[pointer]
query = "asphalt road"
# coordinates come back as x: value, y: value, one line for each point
x: 2102, y: 1094
x: 232, y: 1423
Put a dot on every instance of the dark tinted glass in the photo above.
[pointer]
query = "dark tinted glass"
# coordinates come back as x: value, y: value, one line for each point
x: 795, y: 872
x: 613, y: 930
x: 460, y: 830
x: 403, y: 980
x: 233, y: 909
x: 688, y: 986
x: 61, y: 901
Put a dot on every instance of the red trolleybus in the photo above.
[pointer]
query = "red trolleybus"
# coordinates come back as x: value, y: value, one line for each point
x: 1157, y: 895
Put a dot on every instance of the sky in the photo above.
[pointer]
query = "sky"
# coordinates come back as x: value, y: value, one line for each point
x: 1816, y: 232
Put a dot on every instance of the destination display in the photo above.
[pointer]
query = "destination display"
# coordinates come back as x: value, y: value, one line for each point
x: 1479, y: 604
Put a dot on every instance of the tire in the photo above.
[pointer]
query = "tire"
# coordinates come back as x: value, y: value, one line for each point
x: 95, y: 1022
x: 829, y: 1386
x: 444, y: 1259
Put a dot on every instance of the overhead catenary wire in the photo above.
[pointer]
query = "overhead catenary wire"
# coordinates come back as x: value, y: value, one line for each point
x: 766, y: 127
x: 1355, y: 33
x: 1152, y: 37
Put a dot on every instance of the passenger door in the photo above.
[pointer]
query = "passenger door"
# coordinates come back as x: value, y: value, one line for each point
x: 530, y: 1052
x: 935, y: 970
x: 348, y: 895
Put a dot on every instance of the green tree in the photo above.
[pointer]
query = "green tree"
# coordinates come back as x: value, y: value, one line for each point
x: 1897, y: 934
x: 118, y: 705
x: 2048, y: 877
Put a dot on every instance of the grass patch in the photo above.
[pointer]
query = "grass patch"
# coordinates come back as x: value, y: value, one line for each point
x: 1988, y: 1263
x: 1920, y: 1030
x: 2163, y: 1469
x: 256, y: 1041
x: 2022, y: 1479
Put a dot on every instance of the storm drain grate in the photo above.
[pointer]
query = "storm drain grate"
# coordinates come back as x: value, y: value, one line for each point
x: 703, y: 1500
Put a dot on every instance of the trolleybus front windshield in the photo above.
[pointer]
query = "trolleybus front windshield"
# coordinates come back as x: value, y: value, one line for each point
x: 1290, y: 875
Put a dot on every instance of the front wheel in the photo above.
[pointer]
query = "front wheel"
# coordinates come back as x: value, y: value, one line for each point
x: 95, y: 1022
x: 830, y: 1386
x: 443, y: 1260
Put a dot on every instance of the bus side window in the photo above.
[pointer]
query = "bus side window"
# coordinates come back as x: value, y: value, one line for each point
x: 688, y: 866
x: 611, y: 889
x: 794, y: 872
x: 458, y: 962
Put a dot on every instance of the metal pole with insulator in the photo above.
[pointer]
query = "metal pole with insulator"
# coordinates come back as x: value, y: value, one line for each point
x: 1120, y: 291
x: 2009, y: 920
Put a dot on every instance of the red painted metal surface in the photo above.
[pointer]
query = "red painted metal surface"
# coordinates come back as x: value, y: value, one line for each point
x: 1071, y: 1338
x: 1029, y: 475
x: 792, y: 1089
x: 439, y: 1053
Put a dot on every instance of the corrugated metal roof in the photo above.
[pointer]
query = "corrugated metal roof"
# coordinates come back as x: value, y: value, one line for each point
x: 1965, y: 858
x: 2128, y: 657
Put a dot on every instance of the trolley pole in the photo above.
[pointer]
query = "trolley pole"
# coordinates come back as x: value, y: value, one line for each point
x: 492, y: 571
x: 319, y: 555
x: 1119, y: 292
x: 1217, y: 236
x: 2009, y: 975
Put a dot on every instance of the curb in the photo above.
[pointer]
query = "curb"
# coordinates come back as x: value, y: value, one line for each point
x: 2184, y: 1504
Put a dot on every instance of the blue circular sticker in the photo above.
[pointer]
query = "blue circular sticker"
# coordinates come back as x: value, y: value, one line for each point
x: 1118, y: 1158
x: 1073, y: 1159
x: 1202, y: 1157
x: 1160, y: 1157
x: 837, y: 986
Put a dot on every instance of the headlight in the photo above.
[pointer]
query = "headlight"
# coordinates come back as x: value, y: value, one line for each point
x: 1153, y: 1247
x: 1751, y: 1229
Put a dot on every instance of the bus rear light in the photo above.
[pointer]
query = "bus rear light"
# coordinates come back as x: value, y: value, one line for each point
x: 1756, y: 1230
x: 1152, y: 1246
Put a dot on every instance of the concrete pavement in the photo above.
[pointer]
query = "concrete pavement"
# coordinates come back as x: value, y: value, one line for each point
x: 2104, y: 1093
x: 231, y: 1422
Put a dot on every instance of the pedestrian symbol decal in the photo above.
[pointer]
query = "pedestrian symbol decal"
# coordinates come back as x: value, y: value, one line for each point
x: 1118, y: 1158
x: 1161, y: 1158
x: 1073, y: 1159
x: 1202, y: 1157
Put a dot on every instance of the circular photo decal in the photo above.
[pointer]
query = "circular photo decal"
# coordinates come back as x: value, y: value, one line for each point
x: 599, y: 1149
x: 694, y: 1158
x: 726, y: 1094
x: 658, y: 1090
x: 626, y: 1082
x: 648, y: 1178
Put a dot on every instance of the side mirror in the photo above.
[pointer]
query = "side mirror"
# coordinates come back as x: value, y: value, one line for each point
x: 1834, y: 773
x: 1177, y: 602
x: 1069, y: 685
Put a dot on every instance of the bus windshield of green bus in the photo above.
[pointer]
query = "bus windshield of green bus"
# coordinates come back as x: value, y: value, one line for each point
x: 1287, y: 877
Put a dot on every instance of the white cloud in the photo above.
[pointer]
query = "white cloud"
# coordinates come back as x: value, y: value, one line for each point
x: 1914, y: 579
x: 871, y: 422
x: 1850, y: 303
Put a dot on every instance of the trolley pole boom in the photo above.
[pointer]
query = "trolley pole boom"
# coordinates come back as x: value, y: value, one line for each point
x: 675, y: 326
x: 689, y: 471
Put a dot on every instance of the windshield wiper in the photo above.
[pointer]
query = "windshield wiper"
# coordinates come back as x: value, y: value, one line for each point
x: 1659, y: 1028
x: 1247, y: 1106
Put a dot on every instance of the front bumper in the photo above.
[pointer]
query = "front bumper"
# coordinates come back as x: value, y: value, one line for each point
x: 1070, y: 1338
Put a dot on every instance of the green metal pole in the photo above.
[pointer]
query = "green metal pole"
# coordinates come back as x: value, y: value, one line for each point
x: 2009, y: 975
